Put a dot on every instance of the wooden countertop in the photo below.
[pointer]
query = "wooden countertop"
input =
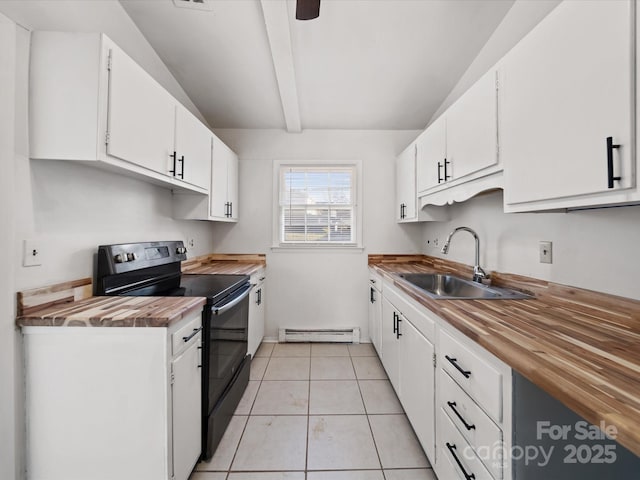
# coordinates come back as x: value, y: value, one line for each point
x: 581, y: 347
x: 230, y: 264
x: 114, y: 312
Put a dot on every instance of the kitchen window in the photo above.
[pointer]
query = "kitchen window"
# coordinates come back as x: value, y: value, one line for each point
x: 317, y: 205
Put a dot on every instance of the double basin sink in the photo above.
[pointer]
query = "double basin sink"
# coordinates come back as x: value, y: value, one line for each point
x: 449, y: 287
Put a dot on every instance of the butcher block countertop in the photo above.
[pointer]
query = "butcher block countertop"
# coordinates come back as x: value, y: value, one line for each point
x: 231, y: 264
x: 115, y: 312
x: 581, y: 347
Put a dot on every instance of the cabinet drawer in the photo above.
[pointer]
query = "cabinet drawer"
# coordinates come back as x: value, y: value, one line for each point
x: 473, y: 373
x: 185, y: 335
x: 474, y: 425
x: 454, y: 454
x: 375, y: 280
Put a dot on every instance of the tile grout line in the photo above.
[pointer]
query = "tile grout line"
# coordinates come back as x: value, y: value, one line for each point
x: 375, y: 444
x: 244, y: 429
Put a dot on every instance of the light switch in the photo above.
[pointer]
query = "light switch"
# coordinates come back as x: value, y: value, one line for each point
x: 32, y: 254
x: 546, y: 249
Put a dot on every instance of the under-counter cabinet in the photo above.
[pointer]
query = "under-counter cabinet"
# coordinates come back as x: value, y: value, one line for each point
x: 257, y: 311
x: 375, y: 311
x: 408, y: 337
x: 113, y: 402
x: 568, y: 108
x: 90, y: 102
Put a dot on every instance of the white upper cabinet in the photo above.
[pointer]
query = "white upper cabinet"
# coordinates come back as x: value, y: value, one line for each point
x: 90, y: 102
x: 406, y: 197
x: 568, y: 88
x: 460, y: 148
x: 224, y: 183
x: 140, y: 115
x: 472, y: 129
x: 432, y: 155
x: 192, y: 149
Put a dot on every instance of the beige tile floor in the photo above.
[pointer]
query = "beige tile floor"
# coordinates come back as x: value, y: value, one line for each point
x: 317, y: 412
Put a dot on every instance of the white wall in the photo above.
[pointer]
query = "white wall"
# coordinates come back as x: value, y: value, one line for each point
x: 592, y: 249
x: 519, y: 20
x: 70, y: 209
x: 10, y: 429
x: 310, y: 288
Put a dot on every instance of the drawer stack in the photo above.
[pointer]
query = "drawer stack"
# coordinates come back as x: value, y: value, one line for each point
x: 470, y: 416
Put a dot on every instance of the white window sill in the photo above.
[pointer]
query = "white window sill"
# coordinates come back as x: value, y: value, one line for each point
x: 317, y: 248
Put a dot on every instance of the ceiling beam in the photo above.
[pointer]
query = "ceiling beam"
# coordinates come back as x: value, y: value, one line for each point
x: 276, y: 19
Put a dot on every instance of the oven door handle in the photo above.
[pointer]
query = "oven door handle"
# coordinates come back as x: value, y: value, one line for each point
x: 228, y: 306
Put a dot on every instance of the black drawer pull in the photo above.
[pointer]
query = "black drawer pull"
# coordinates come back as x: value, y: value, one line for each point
x: 395, y: 319
x: 452, y: 451
x: 446, y: 175
x: 398, y: 334
x: 193, y: 334
x: 372, y: 297
x: 454, y: 362
x: 452, y: 406
x: 610, y: 147
x: 439, y: 168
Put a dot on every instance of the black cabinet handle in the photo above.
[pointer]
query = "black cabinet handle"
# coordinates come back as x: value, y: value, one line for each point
x: 193, y: 334
x: 398, y: 334
x: 454, y: 362
x: 174, y: 156
x: 446, y: 176
x: 226, y: 209
x: 181, y: 174
x: 230, y: 209
x: 395, y: 319
x: 610, y: 175
x: 439, y: 169
x: 452, y: 406
x: 259, y: 297
x: 452, y: 451
x: 372, y: 297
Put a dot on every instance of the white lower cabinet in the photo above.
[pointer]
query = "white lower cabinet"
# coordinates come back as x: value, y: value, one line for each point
x: 390, y: 344
x: 129, y: 395
x: 457, y: 395
x: 257, y: 312
x: 375, y: 311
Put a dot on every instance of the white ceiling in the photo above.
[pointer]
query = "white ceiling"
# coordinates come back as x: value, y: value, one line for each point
x: 364, y: 64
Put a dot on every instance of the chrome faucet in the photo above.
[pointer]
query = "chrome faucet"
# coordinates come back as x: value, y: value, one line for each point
x: 478, y: 273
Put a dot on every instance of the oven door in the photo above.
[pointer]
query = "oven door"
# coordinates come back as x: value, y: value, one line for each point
x: 227, y: 340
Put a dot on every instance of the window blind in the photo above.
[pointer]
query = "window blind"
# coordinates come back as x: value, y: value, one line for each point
x: 317, y: 204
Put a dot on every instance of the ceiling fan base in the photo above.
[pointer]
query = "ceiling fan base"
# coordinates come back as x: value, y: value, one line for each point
x: 307, y: 9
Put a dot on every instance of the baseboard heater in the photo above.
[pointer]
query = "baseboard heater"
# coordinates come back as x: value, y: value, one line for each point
x: 335, y: 335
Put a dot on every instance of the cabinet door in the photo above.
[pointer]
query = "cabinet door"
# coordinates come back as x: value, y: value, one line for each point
x: 432, y: 153
x: 193, y: 149
x: 232, y: 184
x: 186, y: 390
x: 256, y: 318
x: 472, y: 129
x: 219, y: 174
x: 375, y: 314
x: 406, y: 196
x: 390, y: 343
x: 567, y: 87
x: 417, y: 384
x: 141, y: 116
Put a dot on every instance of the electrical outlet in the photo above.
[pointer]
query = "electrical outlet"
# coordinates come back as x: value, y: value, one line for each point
x: 546, y: 250
x: 191, y: 243
x: 32, y: 256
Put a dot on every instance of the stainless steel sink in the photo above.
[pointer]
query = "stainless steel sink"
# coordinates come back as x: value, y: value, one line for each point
x: 449, y: 287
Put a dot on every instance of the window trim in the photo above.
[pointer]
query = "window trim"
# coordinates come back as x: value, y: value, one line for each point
x: 291, y: 246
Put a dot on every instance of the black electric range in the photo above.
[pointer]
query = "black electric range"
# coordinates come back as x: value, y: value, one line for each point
x: 154, y: 269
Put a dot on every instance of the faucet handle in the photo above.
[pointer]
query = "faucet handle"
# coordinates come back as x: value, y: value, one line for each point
x: 479, y: 274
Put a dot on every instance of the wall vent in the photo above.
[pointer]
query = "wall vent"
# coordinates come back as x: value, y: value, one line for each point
x: 336, y: 335
x: 194, y: 4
